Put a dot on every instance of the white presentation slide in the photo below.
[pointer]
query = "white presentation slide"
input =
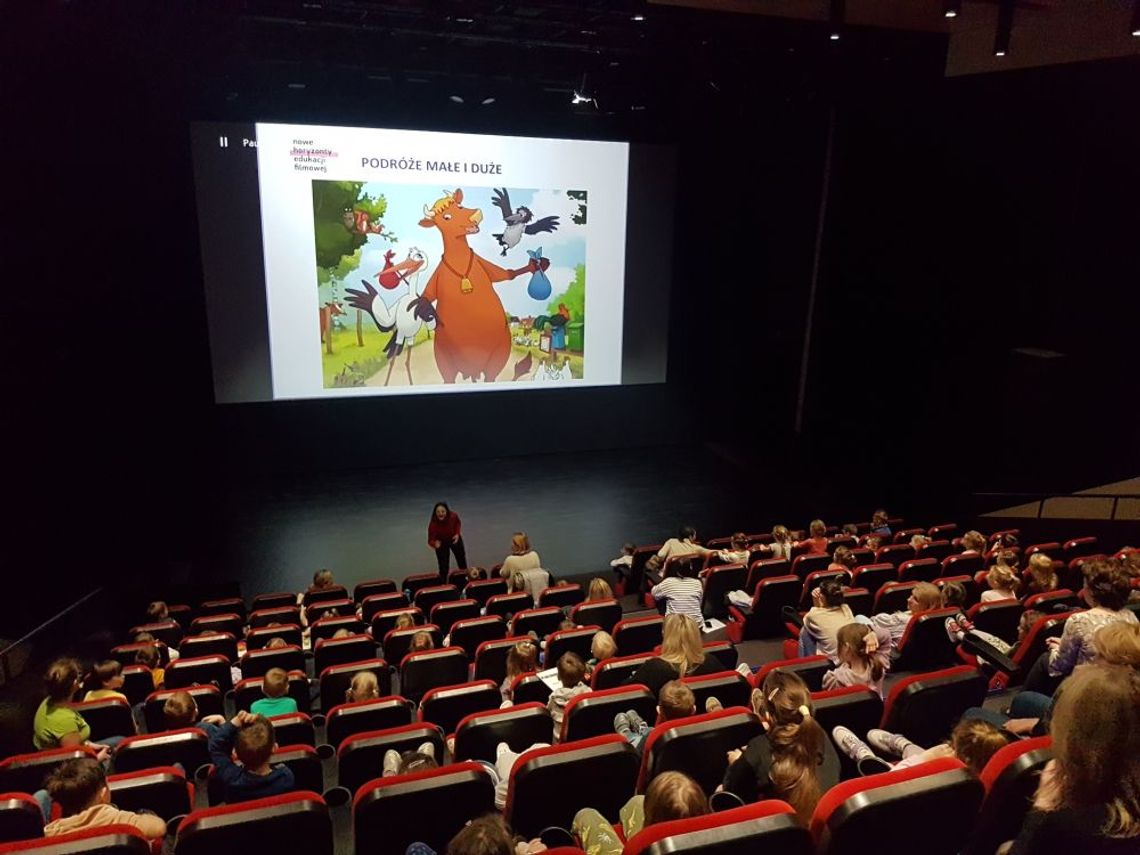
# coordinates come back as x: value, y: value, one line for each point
x: 406, y: 262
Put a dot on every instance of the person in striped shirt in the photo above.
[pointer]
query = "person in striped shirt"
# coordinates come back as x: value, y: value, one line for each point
x: 682, y: 591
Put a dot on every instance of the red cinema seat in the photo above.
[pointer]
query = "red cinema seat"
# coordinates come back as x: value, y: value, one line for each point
x: 963, y: 565
x: 433, y: 595
x: 478, y: 736
x: 398, y: 642
x: 638, y: 635
x: 937, y: 550
x: 852, y: 816
x: 508, y: 605
x: 1010, y: 780
x: 360, y: 757
x: 920, y: 570
x: 336, y: 680
x: 328, y: 627
x: 561, y: 596
x: 227, y: 606
x: 766, y: 568
x: 858, y: 708
x: 256, y: 662
x: 186, y: 747
x: 102, y: 840
x: 1078, y: 547
x: 894, y: 554
x: 576, y: 640
x: 470, y: 634
x: 169, y: 632
x: 294, y: 729
x: 208, y: 698
x: 859, y: 600
x: 343, y: 607
x: 542, y: 622
x: 1052, y: 549
x: 491, y: 658
x: 449, y: 705
x: 340, y: 651
x: 210, y: 644
x: 20, y: 817
x: 163, y: 790
x: 616, y: 670
x: 529, y: 688
x: 549, y: 785
x: 764, y: 619
x: 724, y: 651
x: 248, y: 691
x: 904, y: 535
x: 228, y: 622
x: 138, y: 682
x: 108, y: 717
x: 810, y: 563
x: 256, y: 639
x: 331, y: 594
x: 1032, y: 646
x: 728, y: 687
x: 973, y: 592
x: 601, y: 613
x: 431, y: 807
x: 388, y: 601
x: 719, y: 581
x: 998, y: 617
x: 874, y: 576
x: 284, y: 615
x: 281, y: 599
x: 697, y: 746
x: 893, y: 596
x: 345, y: 720
x: 199, y: 671
x: 481, y: 590
x: 418, y: 581
x: 385, y: 622
x: 430, y: 669
x: 810, y: 669
x: 372, y: 587
x: 944, y: 531
x: 446, y: 615
x: 925, y: 707
x: 592, y: 713
x: 762, y: 827
x: 925, y: 642
x: 1061, y: 600
x: 279, y: 823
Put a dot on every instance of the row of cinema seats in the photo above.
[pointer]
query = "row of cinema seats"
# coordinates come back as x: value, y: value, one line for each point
x: 937, y: 805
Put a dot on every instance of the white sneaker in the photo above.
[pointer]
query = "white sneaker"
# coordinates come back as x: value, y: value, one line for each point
x: 886, y: 742
x: 501, y: 749
x: 744, y: 669
x: 428, y: 749
x: 391, y: 764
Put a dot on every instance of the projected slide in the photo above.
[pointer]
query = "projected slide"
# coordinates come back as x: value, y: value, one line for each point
x: 401, y: 262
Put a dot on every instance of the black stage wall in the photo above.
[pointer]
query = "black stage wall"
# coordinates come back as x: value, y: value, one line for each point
x: 966, y: 218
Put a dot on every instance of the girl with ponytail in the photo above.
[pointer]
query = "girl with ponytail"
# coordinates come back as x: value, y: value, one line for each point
x: 793, y: 759
x: 864, y: 658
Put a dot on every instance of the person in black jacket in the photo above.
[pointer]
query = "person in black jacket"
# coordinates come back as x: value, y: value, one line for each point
x: 1088, y: 799
x: 251, y: 738
x: 681, y: 656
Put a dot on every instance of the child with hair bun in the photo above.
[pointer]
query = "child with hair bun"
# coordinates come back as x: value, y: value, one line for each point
x: 1003, y: 584
x: 793, y: 759
x: 864, y: 658
x: 521, y: 659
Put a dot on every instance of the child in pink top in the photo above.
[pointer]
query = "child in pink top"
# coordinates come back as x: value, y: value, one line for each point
x: 864, y: 658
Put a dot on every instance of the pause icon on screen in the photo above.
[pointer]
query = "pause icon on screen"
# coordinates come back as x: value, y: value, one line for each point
x: 223, y: 142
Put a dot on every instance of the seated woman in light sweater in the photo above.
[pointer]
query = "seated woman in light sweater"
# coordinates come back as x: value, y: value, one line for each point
x: 522, y: 557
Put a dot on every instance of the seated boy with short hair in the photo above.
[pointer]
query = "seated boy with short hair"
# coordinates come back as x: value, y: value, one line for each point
x: 275, y: 685
x: 250, y: 737
x: 571, y: 671
x: 80, y: 788
x: 181, y: 711
x: 676, y: 700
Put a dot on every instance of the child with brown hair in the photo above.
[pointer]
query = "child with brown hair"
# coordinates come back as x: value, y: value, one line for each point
x: 793, y: 759
x: 669, y: 796
x: 817, y: 542
x: 421, y: 641
x: 521, y: 659
x: 1003, y: 584
x: 737, y: 553
x: 150, y: 658
x: 275, y: 685
x: 924, y: 597
x: 105, y: 681
x: 973, y: 741
x: 676, y: 700
x: 1042, y: 576
x: 407, y: 762
x: 181, y: 711
x: 782, y: 543
x: 365, y: 687
x: 80, y: 789
x: 571, y: 671
x: 864, y: 658
x: 973, y: 543
x: 250, y: 737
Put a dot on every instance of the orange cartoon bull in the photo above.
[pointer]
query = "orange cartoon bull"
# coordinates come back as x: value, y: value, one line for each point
x: 472, y: 339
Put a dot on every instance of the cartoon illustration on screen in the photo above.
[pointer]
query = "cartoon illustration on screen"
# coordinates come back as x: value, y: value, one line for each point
x: 463, y: 319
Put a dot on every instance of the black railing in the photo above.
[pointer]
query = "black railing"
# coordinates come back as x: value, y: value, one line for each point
x: 23, y: 650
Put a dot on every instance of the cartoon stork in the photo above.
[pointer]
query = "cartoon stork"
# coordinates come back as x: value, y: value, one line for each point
x: 400, y: 319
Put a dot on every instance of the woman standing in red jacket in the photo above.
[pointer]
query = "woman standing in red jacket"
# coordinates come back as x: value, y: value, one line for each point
x: 445, y: 533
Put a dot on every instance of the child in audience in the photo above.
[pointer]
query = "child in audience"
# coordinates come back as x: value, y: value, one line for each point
x: 669, y: 796
x: 793, y: 759
x: 599, y: 590
x: 365, y: 687
x: 817, y: 541
x: 149, y: 657
x: 276, y: 643
x: 602, y: 646
x: 106, y: 680
x: 521, y: 659
x: 850, y: 530
x: 275, y: 685
x: 404, y: 620
x: 973, y: 543
x: 1003, y: 584
x: 924, y: 597
x: 180, y: 711
x: 972, y: 741
x: 56, y: 724
x: 675, y: 701
x: 80, y: 788
x: 420, y: 760
x: 624, y: 562
x: 879, y: 524
x: 571, y: 671
x: 737, y: 553
x: 917, y: 542
x: 685, y: 543
x: 782, y: 543
x: 1042, y: 576
x: 421, y: 641
x: 822, y: 622
x: 487, y: 835
x: 250, y: 736
x: 681, y: 591
x: 872, y: 541
x: 843, y: 559
x: 157, y: 612
x: 864, y: 658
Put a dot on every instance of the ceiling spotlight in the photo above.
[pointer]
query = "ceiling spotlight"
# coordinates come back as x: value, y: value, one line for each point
x: 1004, y: 28
x: 1136, y: 18
x: 579, y: 98
x: 457, y: 99
x: 583, y: 94
x: 637, y: 18
x: 487, y: 102
x: 837, y: 18
x: 951, y: 8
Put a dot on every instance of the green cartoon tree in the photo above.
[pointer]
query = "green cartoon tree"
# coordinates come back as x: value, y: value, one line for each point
x: 579, y: 196
x: 334, y: 204
x: 574, y: 297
